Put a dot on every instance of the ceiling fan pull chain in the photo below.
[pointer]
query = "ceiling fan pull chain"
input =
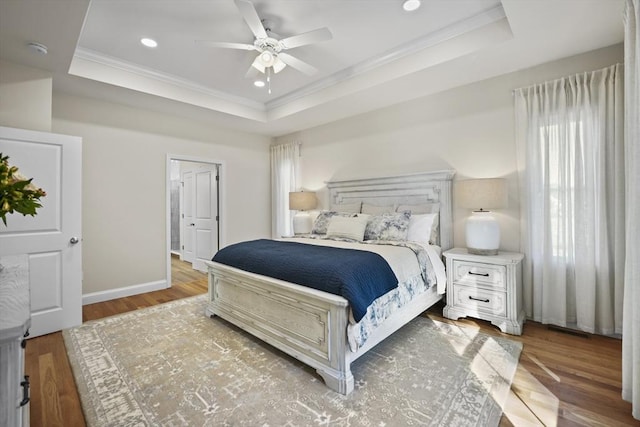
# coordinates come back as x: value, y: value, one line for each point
x: 269, y: 80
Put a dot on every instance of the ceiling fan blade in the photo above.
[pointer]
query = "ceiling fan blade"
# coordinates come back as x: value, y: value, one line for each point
x: 226, y: 45
x: 251, y: 17
x: 315, y: 36
x: 298, y: 64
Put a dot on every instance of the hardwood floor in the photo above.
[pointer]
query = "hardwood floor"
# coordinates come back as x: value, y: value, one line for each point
x: 562, y: 379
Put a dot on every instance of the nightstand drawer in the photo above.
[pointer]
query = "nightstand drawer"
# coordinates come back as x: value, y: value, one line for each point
x: 480, y: 301
x: 493, y: 276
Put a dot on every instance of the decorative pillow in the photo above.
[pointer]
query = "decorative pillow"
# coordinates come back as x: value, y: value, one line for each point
x: 374, y: 209
x: 390, y: 226
x: 347, y: 207
x: 347, y: 227
x: 423, y: 228
x: 420, y: 209
x: 322, y: 221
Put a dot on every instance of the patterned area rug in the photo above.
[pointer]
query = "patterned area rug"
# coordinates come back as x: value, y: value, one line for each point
x: 170, y: 365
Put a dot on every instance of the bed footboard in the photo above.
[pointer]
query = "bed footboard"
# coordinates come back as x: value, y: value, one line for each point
x: 307, y: 324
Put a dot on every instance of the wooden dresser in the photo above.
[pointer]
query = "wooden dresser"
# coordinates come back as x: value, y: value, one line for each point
x: 15, y: 320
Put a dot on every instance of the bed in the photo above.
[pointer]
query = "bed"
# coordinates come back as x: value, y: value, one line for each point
x: 312, y: 325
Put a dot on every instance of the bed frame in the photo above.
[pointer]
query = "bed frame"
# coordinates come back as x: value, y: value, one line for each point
x: 311, y: 325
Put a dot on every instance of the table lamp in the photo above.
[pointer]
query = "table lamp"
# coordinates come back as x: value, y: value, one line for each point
x: 482, y: 229
x: 302, y: 201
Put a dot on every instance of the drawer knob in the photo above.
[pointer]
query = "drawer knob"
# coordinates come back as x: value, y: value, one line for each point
x: 479, y: 299
x: 479, y: 274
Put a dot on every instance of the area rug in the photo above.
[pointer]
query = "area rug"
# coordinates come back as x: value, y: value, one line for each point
x: 170, y: 365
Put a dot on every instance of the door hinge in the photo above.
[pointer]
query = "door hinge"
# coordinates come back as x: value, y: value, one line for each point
x: 217, y: 218
x: 182, y: 215
x: 182, y: 183
x: 217, y: 177
x: 182, y: 247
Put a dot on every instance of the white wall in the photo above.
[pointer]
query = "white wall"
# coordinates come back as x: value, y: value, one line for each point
x: 124, y: 193
x: 25, y: 97
x: 469, y: 129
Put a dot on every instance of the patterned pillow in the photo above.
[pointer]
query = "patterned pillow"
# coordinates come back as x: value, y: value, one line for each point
x: 389, y: 226
x: 322, y: 221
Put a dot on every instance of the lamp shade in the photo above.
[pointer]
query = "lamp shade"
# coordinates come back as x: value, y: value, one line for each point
x: 482, y: 194
x: 302, y: 200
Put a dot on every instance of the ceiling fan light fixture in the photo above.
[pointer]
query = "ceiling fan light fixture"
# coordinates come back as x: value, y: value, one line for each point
x: 271, y: 59
x: 257, y: 64
x: 267, y: 58
x: 410, y: 5
x: 258, y: 83
x: 278, y: 65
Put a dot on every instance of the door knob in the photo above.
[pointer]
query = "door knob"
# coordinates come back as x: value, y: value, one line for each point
x: 74, y: 240
x: 192, y: 224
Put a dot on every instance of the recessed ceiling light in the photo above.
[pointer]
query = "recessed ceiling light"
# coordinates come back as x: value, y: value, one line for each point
x: 149, y: 42
x: 258, y: 83
x: 410, y: 5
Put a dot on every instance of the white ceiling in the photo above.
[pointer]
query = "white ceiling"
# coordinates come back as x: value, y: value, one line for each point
x: 379, y: 54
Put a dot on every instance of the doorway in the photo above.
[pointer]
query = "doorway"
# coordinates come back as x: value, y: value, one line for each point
x: 194, y: 190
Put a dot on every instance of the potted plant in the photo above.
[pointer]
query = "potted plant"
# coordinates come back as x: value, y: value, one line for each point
x: 17, y: 193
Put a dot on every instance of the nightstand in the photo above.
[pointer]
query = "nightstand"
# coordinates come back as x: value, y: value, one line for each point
x: 487, y: 287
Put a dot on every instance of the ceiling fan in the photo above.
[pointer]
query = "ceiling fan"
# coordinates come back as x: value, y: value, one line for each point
x: 271, y: 56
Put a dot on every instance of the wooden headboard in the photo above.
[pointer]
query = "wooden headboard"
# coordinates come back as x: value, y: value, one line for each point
x: 414, y: 189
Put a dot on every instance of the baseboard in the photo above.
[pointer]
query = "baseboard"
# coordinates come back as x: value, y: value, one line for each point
x: 127, y: 291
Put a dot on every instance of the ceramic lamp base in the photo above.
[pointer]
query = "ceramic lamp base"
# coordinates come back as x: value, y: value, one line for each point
x: 302, y: 223
x: 483, y: 233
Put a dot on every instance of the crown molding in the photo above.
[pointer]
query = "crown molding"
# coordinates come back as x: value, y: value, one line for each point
x: 114, y: 63
x: 480, y: 20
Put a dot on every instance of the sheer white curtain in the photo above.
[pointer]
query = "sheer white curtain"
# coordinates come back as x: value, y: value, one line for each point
x: 631, y: 324
x: 285, y: 170
x: 571, y: 168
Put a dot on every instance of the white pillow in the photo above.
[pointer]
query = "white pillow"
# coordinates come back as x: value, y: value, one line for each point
x: 321, y: 222
x: 423, y: 228
x: 347, y: 227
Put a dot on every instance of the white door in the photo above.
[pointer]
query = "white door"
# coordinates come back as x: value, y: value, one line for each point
x: 200, y: 208
x: 52, y: 238
x: 206, y: 215
x: 187, y: 224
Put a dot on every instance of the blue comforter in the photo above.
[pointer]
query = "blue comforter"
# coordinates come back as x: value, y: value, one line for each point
x: 359, y: 276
